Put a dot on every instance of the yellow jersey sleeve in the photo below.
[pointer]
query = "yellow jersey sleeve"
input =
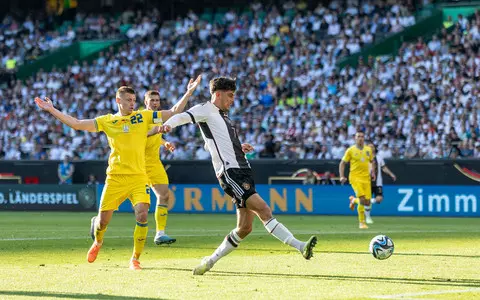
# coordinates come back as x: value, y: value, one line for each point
x: 100, y: 122
x: 347, y: 156
x: 152, y: 117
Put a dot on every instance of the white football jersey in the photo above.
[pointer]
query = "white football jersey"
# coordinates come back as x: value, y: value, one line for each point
x: 380, y: 165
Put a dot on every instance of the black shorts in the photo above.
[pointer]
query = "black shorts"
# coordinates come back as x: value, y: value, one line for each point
x: 377, y: 190
x: 238, y: 184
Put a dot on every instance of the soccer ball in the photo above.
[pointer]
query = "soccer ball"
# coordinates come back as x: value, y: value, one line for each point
x: 381, y: 247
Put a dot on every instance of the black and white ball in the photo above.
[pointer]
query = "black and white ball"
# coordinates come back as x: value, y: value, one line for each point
x: 381, y: 247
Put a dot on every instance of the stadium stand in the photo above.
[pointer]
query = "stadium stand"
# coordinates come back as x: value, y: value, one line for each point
x: 291, y: 103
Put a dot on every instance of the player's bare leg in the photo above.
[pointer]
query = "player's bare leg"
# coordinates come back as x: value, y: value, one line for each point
x: 376, y: 200
x: 353, y: 201
x: 98, y: 226
x: 368, y: 208
x: 140, y: 234
x: 232, y: 240
x: 161, y: 214
x: 277, y: 229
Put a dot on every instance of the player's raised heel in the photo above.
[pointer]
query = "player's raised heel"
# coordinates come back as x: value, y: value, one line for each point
x: 352, y: 203
x: 93, y: 252
x: 135, y: 265
x: 204, y: 266
x: 163, y: 239
x: 92, y: 227
x: 363, y: 226
x: 309, y: 245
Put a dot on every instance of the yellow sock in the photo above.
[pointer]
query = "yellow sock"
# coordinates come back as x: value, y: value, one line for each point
x: 161, y: 215
x: 361, y: 213
x: 356, y: 200
x: 99, y: 233
x: 139, y: 238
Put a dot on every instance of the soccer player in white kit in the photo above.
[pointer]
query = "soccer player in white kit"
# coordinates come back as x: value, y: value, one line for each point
x: 377, y: 185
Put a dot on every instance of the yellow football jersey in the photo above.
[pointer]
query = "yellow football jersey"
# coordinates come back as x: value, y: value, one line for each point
x: 127, y: 137
x: 152, y: 150
x: 359, y: 160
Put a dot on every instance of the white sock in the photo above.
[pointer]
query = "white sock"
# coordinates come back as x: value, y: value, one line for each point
x: 161, y: 232
x: 367, y: 211
x: 231, y: 241
x: 283, y: 234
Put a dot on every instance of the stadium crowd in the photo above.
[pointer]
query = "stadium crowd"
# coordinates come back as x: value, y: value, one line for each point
x: 25, y: 39
x: 291, y: 101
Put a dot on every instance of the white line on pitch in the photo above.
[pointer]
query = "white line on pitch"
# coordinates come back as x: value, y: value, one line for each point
x: 200, y: 231
x: 404, y: 296
x: 188, y: 233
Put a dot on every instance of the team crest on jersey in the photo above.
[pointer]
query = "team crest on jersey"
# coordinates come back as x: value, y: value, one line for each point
x: 368, y: 153
x: 246, y: 186
x: 126, y: 128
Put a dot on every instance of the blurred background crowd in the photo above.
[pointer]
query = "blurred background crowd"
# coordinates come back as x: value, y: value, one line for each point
x: 292, y: 101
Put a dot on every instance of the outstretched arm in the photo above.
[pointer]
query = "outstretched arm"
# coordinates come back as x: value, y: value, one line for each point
x: 47, y: 105
x: 153, y: 131
x: 198, y: 113
x: 180, y: 105
x: 175, y: 121
x: 387, y: 170
x: 341, y: 170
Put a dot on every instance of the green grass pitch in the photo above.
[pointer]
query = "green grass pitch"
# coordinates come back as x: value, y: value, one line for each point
x: 43, y: 256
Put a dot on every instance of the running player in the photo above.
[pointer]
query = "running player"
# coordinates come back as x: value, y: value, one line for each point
x: 377, y: 185
x: 157, y: 176
x: 359, y: 156
x: 233, y: 172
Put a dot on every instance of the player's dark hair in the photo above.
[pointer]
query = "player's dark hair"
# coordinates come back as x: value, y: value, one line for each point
x: 151, y: 93
x: 125, y: 90
x: 360, y: 131
x: 223, y: 84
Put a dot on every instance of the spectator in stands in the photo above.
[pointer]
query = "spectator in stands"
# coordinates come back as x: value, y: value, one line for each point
x: 92, y: 180
x: 310, y: 178
x: 65, y: 171
x: 270, y: 147
x: 385, y: 152
x: 290, y: 89
x: 39, y: 153
x: 476, y: 153
x: 338, y: 150
x: 2, y: 152
x: 202, y: 153
x: 327, y: 179
x: 412, y: 150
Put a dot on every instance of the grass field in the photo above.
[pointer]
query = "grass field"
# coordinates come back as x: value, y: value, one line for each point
x: 43, y: 255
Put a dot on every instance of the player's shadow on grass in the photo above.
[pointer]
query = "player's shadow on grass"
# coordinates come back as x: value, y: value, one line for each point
x: 333, y: 252
x: 466, y: 282
x: 408, y: 254
x: 70, y: 295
